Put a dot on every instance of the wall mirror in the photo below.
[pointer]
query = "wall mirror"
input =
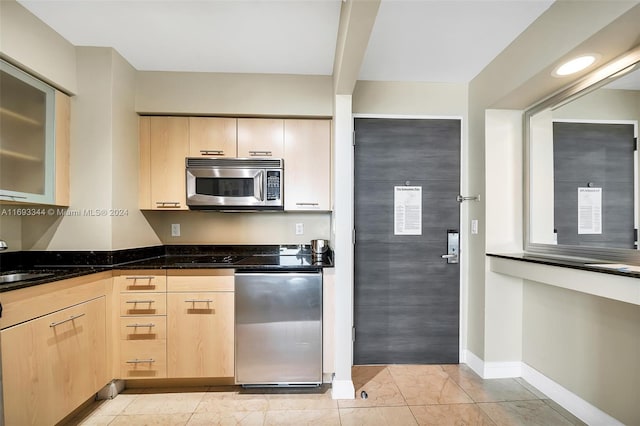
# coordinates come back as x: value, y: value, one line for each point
x: 581, y: 167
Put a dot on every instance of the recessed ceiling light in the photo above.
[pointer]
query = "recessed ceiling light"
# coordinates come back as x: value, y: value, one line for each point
x: 574, y: 65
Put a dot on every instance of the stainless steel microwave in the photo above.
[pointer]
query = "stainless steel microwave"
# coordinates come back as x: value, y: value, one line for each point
x: 235, y: 183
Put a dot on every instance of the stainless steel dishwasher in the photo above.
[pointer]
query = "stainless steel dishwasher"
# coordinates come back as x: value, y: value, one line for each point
x: 278, y: 321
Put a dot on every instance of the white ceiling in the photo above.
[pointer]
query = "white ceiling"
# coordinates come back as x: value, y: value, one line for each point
x: 412, y: 40
x: 443, y: 41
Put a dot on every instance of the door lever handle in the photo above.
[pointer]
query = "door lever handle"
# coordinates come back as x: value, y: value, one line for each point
x: 453, y: 239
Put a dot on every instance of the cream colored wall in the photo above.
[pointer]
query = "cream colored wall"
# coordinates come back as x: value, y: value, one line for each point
x: 588, y: 344
x: 233, y: 94
x: 91, y: 161
x: 515, y: 79
x: 239, y: 228
x: 541, y: 188
x: 383, y: 97
x: 132, y: 229
x: 503, y: 199
x: 33, y: 46
x: 585, y: 343
x: 29, y: 43
x: 11, y: 230
x: 603, y: 104
x: 104, y: 165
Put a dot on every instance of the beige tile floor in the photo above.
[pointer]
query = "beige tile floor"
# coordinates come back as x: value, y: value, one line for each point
x: 396, y: 395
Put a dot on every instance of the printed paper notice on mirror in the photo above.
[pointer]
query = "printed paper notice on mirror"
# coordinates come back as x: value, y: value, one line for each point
x: 407, y: 203
x: 589, y: 210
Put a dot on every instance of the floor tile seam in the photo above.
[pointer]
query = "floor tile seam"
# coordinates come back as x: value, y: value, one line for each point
x: 374, y: 406
x: 441, y: 404
x: 436, y: 405
x: 487, y: 415
x: 564, y: 416
x: 298, y: 409
x: 404, y: 398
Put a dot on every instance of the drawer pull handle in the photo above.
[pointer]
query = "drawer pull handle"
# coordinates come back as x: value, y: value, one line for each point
x: 168, y: 204
x: 260, y: 153
x: 140, y: 361
x: 211, y: 152
x: 71, y: 318
x: 140, y: 325
x: 308, y: 204
x: 141, y: 278
x: 140, y: 301
x: 199, y: 301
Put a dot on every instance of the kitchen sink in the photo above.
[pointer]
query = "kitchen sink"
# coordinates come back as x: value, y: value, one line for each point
x: 22, y: 276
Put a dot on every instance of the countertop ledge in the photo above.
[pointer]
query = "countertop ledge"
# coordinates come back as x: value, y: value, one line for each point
x: 571, y: 274
x: 629, y: 271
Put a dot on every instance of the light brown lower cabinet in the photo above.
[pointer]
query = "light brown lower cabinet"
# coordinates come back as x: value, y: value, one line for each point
x: 200, y: 334
x: 53, y: 364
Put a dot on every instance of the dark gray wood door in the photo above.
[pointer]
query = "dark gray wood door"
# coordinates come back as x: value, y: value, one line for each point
x: 600, y: 155
x: 407, y: 300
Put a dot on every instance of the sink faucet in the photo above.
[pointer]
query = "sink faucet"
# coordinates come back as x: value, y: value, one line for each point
x: 3, y: 245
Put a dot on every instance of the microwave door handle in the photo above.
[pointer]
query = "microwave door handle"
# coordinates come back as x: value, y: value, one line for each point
x: 261, y: 184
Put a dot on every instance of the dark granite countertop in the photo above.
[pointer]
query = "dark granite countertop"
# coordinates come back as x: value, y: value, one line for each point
x: 65, y: 265
x: 51, y: 275
x: 581, y: 264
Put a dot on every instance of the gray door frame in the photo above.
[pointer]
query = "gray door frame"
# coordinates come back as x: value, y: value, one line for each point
x: 464, y: 219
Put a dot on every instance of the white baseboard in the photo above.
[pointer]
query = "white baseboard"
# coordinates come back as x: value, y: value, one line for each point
x: 475, y: 363
x: 571, y: 402
x: 493, y: 370
x: 342, y: 389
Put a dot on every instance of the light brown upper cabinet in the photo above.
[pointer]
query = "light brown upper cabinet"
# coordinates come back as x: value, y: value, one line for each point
x: 260, y: 137
x: 34, y: 140
x: 212, y: 137
x: 307, y: 162
x: 164, y: 145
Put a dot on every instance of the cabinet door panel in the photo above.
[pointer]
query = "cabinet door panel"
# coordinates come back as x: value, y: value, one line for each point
x: 27, y: 138
x: 307, y: 162
x: 169, y: 147
x: 260, y: 137
x: 53, y: 364
x: 212, y: 137
x: 200, y: 335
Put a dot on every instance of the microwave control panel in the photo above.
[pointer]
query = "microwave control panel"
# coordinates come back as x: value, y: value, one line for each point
x: 273, y: 185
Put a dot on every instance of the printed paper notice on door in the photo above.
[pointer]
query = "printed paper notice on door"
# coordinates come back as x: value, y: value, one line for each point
x: 589, y: 210
x: 407, y: 210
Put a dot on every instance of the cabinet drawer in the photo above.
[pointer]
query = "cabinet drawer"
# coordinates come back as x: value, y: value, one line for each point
x: 199, y: 280
x: 143, y: 304
x: 140, y: 281
x: 143, y: 328
x: 143, y: 360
